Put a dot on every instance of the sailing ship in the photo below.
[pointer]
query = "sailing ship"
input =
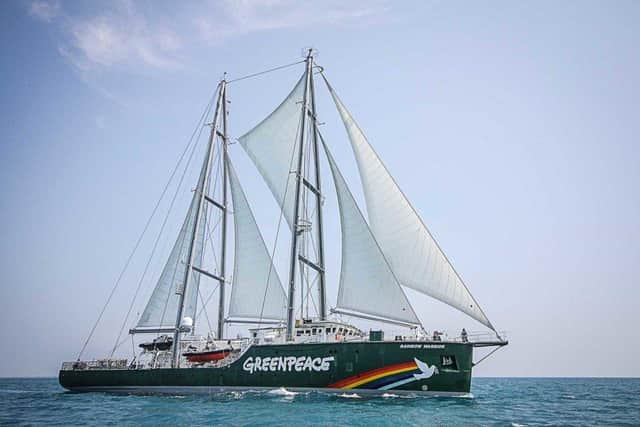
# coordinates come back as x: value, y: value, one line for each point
x: 382, y: 254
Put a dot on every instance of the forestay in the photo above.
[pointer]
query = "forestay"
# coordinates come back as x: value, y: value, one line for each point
x: 411, y: 250
x: 367, y: 284
x: 257, y: 292
x: 162, y: 307
x: 272, y: 146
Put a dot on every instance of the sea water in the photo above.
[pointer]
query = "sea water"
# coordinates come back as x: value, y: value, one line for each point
x: 495, y: 401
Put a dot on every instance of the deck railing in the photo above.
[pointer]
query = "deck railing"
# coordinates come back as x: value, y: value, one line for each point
x: 95, y: 364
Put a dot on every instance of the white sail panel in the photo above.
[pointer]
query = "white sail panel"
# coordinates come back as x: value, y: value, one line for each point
x: 273, y: 146
x: 411, y: 250
x: 162, y: 307
x: 257, y: 292
x: 367, y: 284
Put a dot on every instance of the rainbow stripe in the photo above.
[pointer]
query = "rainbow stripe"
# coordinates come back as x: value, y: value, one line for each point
x: 382, y: 378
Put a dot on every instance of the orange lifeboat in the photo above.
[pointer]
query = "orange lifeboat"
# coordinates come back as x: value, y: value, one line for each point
x: 207, y: 355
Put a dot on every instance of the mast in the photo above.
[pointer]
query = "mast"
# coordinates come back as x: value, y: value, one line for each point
x: 296, y: 212
x: 223, y: 251
x: 201, y: 199
x: 318, y: 193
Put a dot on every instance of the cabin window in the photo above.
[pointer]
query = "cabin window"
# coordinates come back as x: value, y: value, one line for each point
x: 449, y: 363
x: 333, y: 330
x: 298, y: 333
x: 255, y: 334
x: 313, y: 331
x: 327, y: 330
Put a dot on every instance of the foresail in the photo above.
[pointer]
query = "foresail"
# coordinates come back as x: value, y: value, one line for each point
x: 273, y: 146
x: 411, y: 250
x: 257, y: 292
x: 162, y: 307
x: 367, y: 283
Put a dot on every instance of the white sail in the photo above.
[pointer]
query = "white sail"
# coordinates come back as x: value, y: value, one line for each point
x: 257, y: 292
x: 162, y: 306
x: 367, y: 283
x: 273, y: 146
x: 413, y: 253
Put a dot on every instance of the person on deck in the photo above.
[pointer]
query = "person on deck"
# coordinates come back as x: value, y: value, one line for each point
x: 464, y: 336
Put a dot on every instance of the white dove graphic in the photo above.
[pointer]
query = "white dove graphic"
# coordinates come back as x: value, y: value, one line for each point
x: 427, y: 371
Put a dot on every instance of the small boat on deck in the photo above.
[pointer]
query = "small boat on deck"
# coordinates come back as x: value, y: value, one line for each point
x: 208, y: 355
x: 162, y: 343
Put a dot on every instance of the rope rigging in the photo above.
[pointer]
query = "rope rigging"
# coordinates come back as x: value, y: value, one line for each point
x: 157, y: 240
x: 166, y: 303
x: 280, y: 217
x: 260, y: 73
x: 146, y: 227
x: 189, y: 150
x: 209, y: 238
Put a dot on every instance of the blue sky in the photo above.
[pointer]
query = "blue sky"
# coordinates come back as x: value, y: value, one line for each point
x: 513, y: 128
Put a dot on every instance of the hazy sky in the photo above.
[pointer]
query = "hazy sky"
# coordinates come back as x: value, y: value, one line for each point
x: 513, y: 127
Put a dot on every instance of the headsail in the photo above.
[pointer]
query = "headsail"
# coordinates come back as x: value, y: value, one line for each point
x: 161, y: 308
x: 257, y: 292
x: 413, y: 253
x: 273, y: 146
x: 367, y: 283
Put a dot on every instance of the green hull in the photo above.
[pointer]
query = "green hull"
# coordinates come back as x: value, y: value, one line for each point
x: 373, y: 366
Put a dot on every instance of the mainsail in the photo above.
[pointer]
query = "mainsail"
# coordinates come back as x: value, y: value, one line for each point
x: 257, y: 292
x: 272, y: 146
x: 367, y: 283
x: 161, y: 308
x: 411, y: 250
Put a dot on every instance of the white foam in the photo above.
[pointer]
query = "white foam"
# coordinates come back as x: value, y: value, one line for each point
x: 350, y: 396
x: 388, y: 395
x: 282, y: 392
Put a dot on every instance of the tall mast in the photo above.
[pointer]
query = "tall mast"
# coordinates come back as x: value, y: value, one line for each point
x: 296, y: 212
x: 318, y: 193
x: 223, y: 251
x: 201, y: 199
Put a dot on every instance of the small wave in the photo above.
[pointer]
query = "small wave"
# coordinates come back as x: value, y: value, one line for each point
x: 569, y: 396
x: 518, y: 425
x: 388, y: 395
x: 282, y: 392
x: 350, y: 396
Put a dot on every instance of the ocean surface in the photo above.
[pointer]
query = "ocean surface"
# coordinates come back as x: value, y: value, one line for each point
x: 495, y: 401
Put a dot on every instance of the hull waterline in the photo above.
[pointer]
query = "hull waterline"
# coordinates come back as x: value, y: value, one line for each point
x: 367, y: 367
